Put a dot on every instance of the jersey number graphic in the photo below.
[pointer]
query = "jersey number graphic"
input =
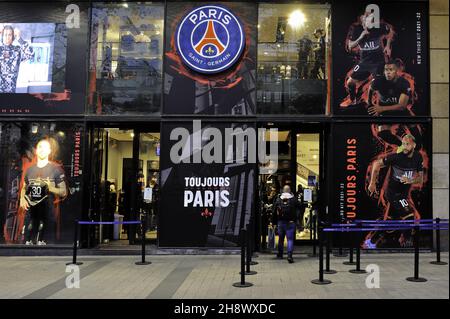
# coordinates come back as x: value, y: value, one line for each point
x: 36, y: 191
x: 404, y: 202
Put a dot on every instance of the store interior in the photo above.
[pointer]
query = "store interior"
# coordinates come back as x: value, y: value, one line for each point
x: 305, y: 162
x: 293, y: 47
x: 117, y: 174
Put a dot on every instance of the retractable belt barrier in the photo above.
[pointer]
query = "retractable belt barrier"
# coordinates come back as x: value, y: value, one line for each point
x: 78, y: 223
x: 377, y: 225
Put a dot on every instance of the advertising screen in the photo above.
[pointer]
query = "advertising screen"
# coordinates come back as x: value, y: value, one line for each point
x: 26, y: 57
x: 42, y: 68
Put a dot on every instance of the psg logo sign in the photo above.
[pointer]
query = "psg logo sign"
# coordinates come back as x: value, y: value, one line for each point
x: 210, y: 39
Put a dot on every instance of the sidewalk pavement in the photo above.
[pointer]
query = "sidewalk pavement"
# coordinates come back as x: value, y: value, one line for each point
x: 206, y: 276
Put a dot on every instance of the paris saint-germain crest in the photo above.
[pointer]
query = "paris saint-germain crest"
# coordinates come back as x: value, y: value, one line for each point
x: 210, y: 39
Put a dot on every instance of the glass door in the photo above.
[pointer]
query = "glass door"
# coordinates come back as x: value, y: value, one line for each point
x: 307, y: 181
x: 149, y: 181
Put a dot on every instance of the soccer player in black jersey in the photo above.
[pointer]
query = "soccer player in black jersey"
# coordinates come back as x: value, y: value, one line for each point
x: 392, y: 92
x: 390, y: 95
x: 42, y: 181
x: 369, y: 39
x: 406, y: 170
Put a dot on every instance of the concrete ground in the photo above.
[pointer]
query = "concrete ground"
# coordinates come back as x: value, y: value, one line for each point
x: 197, y: 276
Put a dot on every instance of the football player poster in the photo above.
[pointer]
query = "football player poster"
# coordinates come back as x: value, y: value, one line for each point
x: 377, y: 180
x: 380, y: 61
x: 40, y: 182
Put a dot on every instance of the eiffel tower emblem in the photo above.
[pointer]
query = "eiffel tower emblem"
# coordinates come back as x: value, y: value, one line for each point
x: 209, y: 39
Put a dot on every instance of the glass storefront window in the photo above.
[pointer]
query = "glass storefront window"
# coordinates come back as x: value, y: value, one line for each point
x: 293, y: 42
x: 126, y: 58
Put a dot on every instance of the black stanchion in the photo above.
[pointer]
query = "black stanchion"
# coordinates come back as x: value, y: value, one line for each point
x: 327, y: 256
x: 252, y: 244
x: 242, y: 283
x: 75, y: 245
x: 321, y: 280
x: 358, y: 269
x: 313, y: 235
x: 350, y: 261
x: 416, y: 277
x: 143, y: 231
x: 248, y: 261
x: 438, y: 245
x: 340, y: 252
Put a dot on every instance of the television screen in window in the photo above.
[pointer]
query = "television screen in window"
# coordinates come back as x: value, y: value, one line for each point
x: 27, y: 57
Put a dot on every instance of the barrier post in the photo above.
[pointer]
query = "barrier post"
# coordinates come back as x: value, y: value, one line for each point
x: 327, y: 257
x: 321, y: 280
x: 340, y: 252
x: 350, y: 261
x: 143, y: 231
x: 438, y: 245
x: 358, y: 269
x: 75, y: 244
x: 252, y: 243
x: 248, y: 271
x: 242, y: 283
x: 313, y: 235
x: 416, y: 239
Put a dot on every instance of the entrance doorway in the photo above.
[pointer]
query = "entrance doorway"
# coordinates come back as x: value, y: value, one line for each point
x: 125, y: 184
x: 299, y: 166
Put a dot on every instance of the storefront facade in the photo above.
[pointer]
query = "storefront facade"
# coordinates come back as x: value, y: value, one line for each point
x: 119, y: 110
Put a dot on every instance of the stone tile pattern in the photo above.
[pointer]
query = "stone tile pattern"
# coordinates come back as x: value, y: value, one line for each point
x: 439, y: 45
x: 212, y: 277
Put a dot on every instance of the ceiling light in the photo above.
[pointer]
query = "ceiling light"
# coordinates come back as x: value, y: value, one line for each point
x: 296, y: 19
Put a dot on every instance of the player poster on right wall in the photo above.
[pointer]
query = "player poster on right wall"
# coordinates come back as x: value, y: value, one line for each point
x: 380, y: 59
x: 382, y: 172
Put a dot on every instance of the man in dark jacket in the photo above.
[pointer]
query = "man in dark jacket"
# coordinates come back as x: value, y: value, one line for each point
x: 285, y: 208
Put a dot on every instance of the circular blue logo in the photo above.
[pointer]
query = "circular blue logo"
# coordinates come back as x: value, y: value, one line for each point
x: 210, y: 39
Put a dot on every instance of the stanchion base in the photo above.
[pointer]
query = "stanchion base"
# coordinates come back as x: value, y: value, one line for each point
x: 356, y: 271
x: 251, y: 272
x: 321, y: 282
x: 78, y: 263
x: 253, y: 263
x: 339, y: 256
x: 142, y: 263
x: 330, y: 272
x: 349, y: 263
x: 313, y: 255
x: 244, y: 285
x: 438, y: 263
x: 413, y: 279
